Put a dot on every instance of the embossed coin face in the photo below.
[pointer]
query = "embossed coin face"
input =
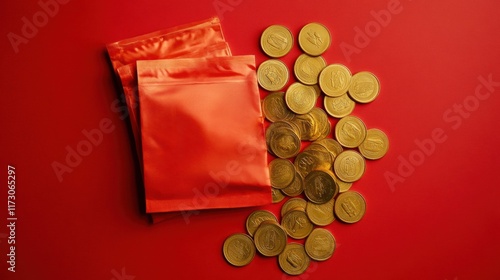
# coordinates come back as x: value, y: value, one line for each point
x: 276, y: 41
x: 314, y: 39
x: 284, y: 143
x: 320, y: 214
x: 312, y: 159
x: 239, y: 249
x: 307, y: 68
x: 364, y: 87
x: 339, y: 107
x: 349, y: 166
x: 320, y: 244
x: 296, y: 187
x: 350, y: 207
x: 270, y: 239
x: 296, y: 203
x: 335, y: 79
x: 274, y: 107
x: 281, y: 172
x: 272, y: 75
x: 256, y: 218
x: 294, y: 260
x: 375, y: 145
x: 320, y: 187
x: 300, y: 98
x: 296, y: 224
x: 350, y: 131
x: 278, y: 196
x: 333, y: 147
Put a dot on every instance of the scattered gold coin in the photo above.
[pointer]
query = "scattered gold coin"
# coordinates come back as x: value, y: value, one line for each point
x: 296, y: 224
x: 335, y: 79
x: 276, y: 41
x: 364, y: 87
x: 294, y: 260
x: 320, y: 244
x: 350, y: 131
x: 256, y: 218
x: 270, y: 239
x: 281, y: 172
x: 375, y: 145
x: 272, y: 75
x: 300, y: 98
x: 349, y: 166
x: 314, y: 39
x: 350, y: 207
x: 307, y: 68
x: 239, y: 249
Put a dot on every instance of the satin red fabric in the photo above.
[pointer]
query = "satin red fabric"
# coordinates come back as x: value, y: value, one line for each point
x: 221, y: 170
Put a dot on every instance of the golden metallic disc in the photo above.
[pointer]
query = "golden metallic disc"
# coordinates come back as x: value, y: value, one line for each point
x: 350, y: 207
x: 320, y: 214
x: 294, y: 259
x: 296, y: 187
x: 239, y: 249
x: 277, y: 195
x: 333, y: 147
x: 307, y: 68
x: 349, y: 166
x: 296, y: 224
x: 364, y: 87
x: 350, y: 131
x: 312, y: 159
x: 320, y: 244
x: 284, y: 143
x: 276, y: 41
x: 274, y: 107
x: 256, y: 218
x: 343, y: 186
x: 335, y: 79
x: 375, y: 145
x: 339, y: 107
x: 293, y: 203
x: 272, y: 75
x: 300, y: 98
x: 270, y: 239
x: 281, y: 172
x: 314, y: 39
x: 320, y: 187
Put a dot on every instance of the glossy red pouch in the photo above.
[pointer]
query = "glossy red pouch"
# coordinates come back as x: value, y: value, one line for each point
x: 128, y: 77
x: 202, y: 134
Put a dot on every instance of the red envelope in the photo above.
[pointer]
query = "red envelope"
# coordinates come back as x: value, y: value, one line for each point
x: 202, y: 134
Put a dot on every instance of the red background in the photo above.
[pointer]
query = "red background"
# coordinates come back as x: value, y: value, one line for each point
x: 439, y: 222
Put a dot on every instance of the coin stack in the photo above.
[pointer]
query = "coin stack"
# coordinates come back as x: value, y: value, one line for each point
x: 310, y: 166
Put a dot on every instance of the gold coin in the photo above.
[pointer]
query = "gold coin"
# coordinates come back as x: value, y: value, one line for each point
x: 296, y: 187
x: 320, y: 214
x: 296, y: 224
x: 350, y: 207
x: 349, y: 166
x: 350, y: 131
x: 307, y: 68
x: 343, y: 186
x: 293, y: 203
x: 375, y: 145
x: 294, y: 260
x: 364, y: 87
x: 272, y: 75
x: 256, y: 218
x: 276, y: 41
x: 300, y: 98
x: 320, y: 244
x: 333, y: 147
x: 320, y: 187
x: 313, y: 125
x: 274, y: 107
x: 335, y: 79
x: 239, y: 249
x: 314, y: 39
x: 339, y: 107
x: 312, y: 159
x: 270, y: 239
x: 277, y: 195
x: 281, y: 172
x: 284, y: 143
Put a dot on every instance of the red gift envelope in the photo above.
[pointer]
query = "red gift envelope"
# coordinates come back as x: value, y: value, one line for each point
x: 202, y: 134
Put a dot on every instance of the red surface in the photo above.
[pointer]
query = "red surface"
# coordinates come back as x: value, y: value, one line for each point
x: 440, y: 221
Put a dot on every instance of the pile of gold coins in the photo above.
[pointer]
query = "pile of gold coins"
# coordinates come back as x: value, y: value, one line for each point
x: 307, y: 162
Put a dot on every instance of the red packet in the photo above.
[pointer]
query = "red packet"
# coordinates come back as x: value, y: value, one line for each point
x: 202, y: 134
x: 128, y: 77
